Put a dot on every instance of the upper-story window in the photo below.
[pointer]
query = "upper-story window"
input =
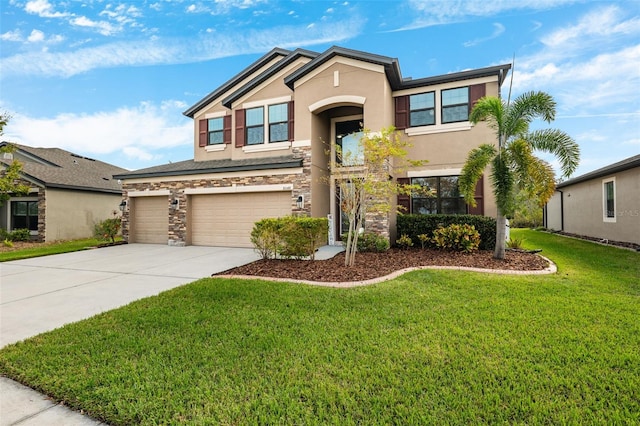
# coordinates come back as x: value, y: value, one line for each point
x: 278, y: 123
x: 215, y: 131
x: 255, y: 125
x: 422, y: 109
x: 455, y: 105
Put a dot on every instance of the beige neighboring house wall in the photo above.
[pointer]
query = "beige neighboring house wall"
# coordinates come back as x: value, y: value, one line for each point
x: 73, y: 214
x: 579, y: 205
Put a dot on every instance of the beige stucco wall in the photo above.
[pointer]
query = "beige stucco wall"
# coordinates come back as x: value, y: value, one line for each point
x: 583, y: 208
x: 73, y: 214
x: 553, y: 212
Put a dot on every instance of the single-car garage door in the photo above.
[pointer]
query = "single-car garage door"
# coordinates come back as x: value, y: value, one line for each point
x: 150, y: 220
x: 227, y: 219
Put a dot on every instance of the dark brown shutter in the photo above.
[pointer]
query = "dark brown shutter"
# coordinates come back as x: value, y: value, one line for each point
x: 404, y: 200
x: 479, y: 197
x: 203, y: 129
x: 476, y: 92
x: 290, y: 128
x: 402, y: 112
x: 239, y: 128
x: 226, y: 125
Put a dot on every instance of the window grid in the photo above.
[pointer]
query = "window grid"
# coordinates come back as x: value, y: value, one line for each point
x: 255, y: 125
x: 216, y: 131
x: 455, y: 105
x: 446, y: 200
x: 422, y: 109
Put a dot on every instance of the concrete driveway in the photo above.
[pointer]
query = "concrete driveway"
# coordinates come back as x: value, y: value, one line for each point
x: 44, y: 293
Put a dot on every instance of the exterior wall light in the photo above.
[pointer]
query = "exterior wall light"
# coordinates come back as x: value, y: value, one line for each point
x: 300, y: 201
x: 123, y: 205
x: 175, y: 204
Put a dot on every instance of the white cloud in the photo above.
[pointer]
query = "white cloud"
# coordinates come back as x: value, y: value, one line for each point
x: 103, y: 27
x: 14, y: 35
x: 175, y: 51
x: 43, y: 9
x: 497, y: 31
x: 635, y: 141
x: 35, y: 36
x: 437, y: 12
x: 109, y: 132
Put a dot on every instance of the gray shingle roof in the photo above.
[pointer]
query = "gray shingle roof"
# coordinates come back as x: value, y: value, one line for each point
x: 191, y: 167
x: 57, y: 168
x: 620, y: 166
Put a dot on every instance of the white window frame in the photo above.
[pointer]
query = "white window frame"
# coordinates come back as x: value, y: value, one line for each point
x: 266, y: 145
x: 605, y: 218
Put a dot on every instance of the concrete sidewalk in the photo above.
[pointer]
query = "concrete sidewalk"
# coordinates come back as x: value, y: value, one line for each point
x: 41, y: 294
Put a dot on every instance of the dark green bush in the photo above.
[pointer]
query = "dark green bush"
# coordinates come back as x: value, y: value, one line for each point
x: 415, y: 224
x: 372, y: 242
x: 457, y: 237
x: 107, y: 229
x: 19, y: 235
x: 289, y: 236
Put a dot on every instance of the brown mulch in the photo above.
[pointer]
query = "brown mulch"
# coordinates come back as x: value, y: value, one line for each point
x: 374, y: 265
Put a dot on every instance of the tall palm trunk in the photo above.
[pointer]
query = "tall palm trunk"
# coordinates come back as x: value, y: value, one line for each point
x: 501, y: 229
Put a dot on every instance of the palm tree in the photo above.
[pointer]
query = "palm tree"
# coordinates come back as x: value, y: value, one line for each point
x: 514, y: 165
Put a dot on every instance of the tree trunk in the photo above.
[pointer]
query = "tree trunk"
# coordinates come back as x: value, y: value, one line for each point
x: 501, y: 229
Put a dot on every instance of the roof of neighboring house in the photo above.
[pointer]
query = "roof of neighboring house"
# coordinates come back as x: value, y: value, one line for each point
x: 391, y: 68
x: 191, y: 167
x: 57, y: 168
x: 620, y: 166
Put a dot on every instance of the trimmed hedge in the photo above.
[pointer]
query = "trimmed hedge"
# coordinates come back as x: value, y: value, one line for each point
x: 416, y: 224
x: 289, y: 237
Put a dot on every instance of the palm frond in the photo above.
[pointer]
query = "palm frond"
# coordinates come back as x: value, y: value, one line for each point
x: 489, y: 109
x: 526, y: 108
x: 558, y: 143
x: 473, y: 168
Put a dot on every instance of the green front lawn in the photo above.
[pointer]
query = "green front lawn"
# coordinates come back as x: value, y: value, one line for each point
x: 45, y: 249
x: 431, y: 347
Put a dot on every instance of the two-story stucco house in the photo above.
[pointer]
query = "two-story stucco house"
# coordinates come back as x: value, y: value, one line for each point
x: 261, y: 146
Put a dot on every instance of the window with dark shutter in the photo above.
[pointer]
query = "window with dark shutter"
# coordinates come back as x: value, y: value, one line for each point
x: 479, y: 197
x: 227, y: 129
x: 239, y: 128
x: 476, y: 92
x: 290, y: 122
x: 404, y: 201
x: 202, y: 132
x: 402, y: 112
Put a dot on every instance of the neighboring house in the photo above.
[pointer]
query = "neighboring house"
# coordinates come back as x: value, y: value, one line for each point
x: 602, y: 204
x: 69, y: 193
x: 262, y: 139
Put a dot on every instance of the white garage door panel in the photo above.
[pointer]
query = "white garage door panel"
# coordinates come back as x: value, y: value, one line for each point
x: 227, y: 219
x: 150, y: 220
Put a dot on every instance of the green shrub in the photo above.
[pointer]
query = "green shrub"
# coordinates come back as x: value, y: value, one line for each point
x: 424, y: 240
x: 4, y: 234
x: 108, y: 229
x: 289, y: 236
x: 416, y: 224
x: 372, y: 242
x: 515, y: 243
x: 20, y: 235
x: 457, y: 237
x: 404, y: 242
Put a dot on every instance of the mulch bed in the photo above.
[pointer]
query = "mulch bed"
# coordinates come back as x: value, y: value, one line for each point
x: 374, y: 265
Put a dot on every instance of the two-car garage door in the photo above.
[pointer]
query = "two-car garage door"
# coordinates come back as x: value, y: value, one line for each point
x: 227, y: 219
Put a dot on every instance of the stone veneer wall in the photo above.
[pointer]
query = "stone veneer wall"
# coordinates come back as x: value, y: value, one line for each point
x: 42, y: 218
x: 177, y: 231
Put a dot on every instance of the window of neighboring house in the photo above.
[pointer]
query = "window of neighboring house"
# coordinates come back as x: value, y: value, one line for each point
x: 278, y: 123
x: 422, y: 109
x: 255, y: 125
x: 216, y: 131
x: 24, y: 214
x: 455, y: 105
x: 609, y: 199
x: 446, y: 197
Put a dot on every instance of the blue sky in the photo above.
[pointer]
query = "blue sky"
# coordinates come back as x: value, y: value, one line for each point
x: 110, y: 79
